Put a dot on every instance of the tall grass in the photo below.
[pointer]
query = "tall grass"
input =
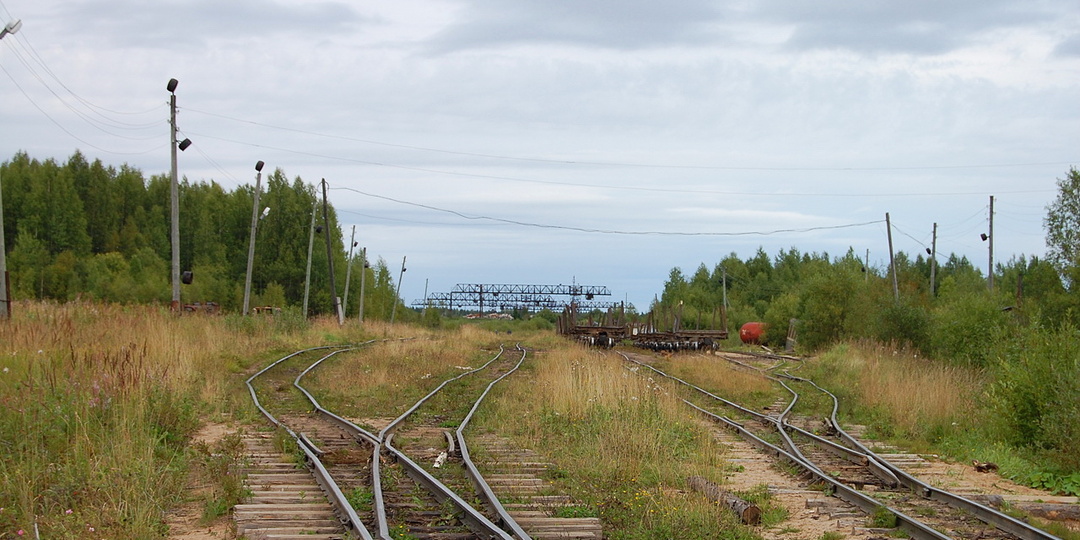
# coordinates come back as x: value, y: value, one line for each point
x: 723, y: 379
x: 384, y: 378
x: 623, y: 441
x: 98, y: 404
x: 901, y: 394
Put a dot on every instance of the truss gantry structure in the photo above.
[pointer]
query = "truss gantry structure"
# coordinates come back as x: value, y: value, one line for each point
x: 497, y: 297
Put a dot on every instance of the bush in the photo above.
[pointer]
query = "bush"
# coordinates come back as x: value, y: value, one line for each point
x: 778, y: 316
x: 823, y: 310
x: 1035, y: 399
x: 962, y: 328
x: 905, y: 325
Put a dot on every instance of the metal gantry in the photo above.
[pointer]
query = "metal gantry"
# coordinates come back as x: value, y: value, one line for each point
x: 533, y: 297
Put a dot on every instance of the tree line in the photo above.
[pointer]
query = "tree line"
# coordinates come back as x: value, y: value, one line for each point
x: 1022, y: 334
x: 86, y: 230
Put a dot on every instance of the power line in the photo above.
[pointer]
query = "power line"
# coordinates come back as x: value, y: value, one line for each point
x: 65, y: 130
x: 597, y: 186
x: 637, y: 165
x: 605, y: 231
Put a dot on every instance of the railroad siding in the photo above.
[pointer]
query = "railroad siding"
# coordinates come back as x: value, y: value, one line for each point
x: 286, y: 503
x: 514, y: 474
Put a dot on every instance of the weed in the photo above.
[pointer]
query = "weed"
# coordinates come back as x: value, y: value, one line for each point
x: 926, y: 511
x: 883, y: 518
x: 575, y: 511
x: 360, y: 498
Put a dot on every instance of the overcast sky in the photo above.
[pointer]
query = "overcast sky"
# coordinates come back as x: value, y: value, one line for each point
x: 597, y: 141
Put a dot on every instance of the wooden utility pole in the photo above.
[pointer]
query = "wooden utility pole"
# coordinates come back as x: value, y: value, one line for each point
x: 933, y: 260
x: 397, y: 291
x: 330, y: 256
x: 866, y: 266
x: 724, y: 270
x: 348, y: 272
x: 363, y: 279
x: 251, y: 237
x: 990, y: 270
x: 310, y: 242
x: 174, y: 200
x: 892, y: 259
x: 5, y: 294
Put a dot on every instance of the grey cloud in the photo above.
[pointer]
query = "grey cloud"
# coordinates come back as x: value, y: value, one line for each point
x: 1070, y: 46
x: 170, y: 24
x: 618, y: 24
x: 915, y: 26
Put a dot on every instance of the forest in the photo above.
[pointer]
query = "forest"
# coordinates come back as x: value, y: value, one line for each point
x: 1020, y: 335
x: 81, y: 230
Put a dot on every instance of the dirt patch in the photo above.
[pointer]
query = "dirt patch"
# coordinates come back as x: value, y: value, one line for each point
x: 185, y: 521
x: 811, y: 513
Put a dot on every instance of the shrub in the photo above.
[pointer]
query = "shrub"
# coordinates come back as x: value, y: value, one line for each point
x: 904, y: 324
x: 1035, y: 399
x: 961, y: 328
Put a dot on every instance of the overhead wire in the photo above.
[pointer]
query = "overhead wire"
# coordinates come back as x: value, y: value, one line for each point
x: 901, y: 231
x: 93, y: 122
x: 669, y: 190
x: 603, y: 231
x: 27, y: 56
x: 631, y: 164
x: 64, y: 129
x: 32, y: 53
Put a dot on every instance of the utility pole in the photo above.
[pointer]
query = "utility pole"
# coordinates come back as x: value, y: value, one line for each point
x: 397, y: 291
x: 310, y: 242
x: 426, y: 303
x: 5, y: 289
x: 251, y: 239
x: 724, y: 284
x: 990, y: 270
x: 363, y: 279
x: 892, y: 260
x: 866, y: 267
x: 330, y: 256
x: 348, y: 272
x: 933, y: 260
x: 174, y: 199
x: 5, y: 292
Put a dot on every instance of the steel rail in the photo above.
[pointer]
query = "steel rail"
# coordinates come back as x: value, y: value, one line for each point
x: 984, y: 513
x: 505, y: 519
x: 473, y: 519
x: 868, y: 504
x: 399, y: 420
x: 369, y: 437
x: 476, y: 521
x: 378, y: 500
x: 341, y: 504
x: 867, y: 459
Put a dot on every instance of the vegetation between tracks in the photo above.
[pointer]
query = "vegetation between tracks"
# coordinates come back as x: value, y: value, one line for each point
x: 623, y: 443
x: 1022, y: 413
x: 100, y: 404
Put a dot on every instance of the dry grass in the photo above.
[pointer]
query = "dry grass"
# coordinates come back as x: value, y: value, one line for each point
x: 920, y: 397
x: 633, y: 421
x: 382, y: 379
x: 625, y: 443
x: 723, y: 379
x: 98, y: 402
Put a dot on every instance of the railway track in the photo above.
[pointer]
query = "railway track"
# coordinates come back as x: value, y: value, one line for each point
x: 845, y: 468
x: 413, y: 479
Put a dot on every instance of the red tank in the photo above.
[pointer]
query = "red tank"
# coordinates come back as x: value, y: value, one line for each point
x: 752, y: 332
